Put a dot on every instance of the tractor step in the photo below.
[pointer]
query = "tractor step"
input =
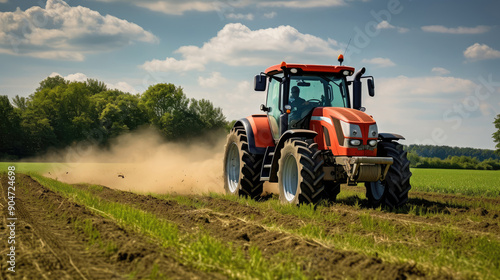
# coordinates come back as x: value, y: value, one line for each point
x: 267, y: 163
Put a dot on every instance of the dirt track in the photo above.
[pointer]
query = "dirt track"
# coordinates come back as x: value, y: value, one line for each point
x: 52, y: 243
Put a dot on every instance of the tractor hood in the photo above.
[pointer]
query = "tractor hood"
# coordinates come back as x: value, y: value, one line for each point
x: 346, y: 131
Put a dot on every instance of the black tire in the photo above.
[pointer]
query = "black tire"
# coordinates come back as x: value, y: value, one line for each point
x: 300, y: 173
x: 393, y: 190
x: 332, y: 189
x: 241, y: 168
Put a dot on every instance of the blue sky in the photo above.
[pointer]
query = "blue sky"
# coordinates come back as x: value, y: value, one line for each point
x: 436, y: 63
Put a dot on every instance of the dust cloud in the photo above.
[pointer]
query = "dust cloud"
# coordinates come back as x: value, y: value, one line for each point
x: 142, y: 161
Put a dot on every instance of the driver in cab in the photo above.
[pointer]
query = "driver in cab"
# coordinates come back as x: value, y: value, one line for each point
x: 296, y: 101
x: 298, y: 105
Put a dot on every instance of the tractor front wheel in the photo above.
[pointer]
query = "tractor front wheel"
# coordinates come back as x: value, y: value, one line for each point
x: 300, y: 173
x: 241, y: 168
x: 393, y: 190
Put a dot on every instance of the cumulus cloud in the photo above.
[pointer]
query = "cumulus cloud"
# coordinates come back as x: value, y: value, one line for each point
x: 386, y: 25
x: 81, y: 77
x: 440, y: 71
x: 435, y: 110
x: 379, y: 61
x: 481, y: 52
x: 240, y: 16
x: 303, y: 4
x: 60, y: 31
x: 237, y: 45
x: 270, y: 15
x: 480, y: 29
x: 423, y: 87
x: 179, y: 7
x: 216, y: 79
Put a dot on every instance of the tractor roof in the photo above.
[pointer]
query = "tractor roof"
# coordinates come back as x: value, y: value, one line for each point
x: 308, y: 68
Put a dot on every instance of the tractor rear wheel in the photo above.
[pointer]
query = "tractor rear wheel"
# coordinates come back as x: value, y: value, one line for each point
x: 393, y: 190
x: 241, y: 168
x: 300, y: 173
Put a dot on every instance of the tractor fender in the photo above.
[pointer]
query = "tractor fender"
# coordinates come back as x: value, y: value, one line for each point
x: 388, y: 137
x: 292, y: 133
x: 258, y: 133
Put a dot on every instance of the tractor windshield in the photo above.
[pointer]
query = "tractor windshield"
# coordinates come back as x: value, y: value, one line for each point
x: 319, y: 91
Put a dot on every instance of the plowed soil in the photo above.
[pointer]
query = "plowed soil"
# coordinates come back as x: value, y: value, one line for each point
x: 52, y: 244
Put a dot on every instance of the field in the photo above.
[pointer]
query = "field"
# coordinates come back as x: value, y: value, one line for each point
x: 449, y: 230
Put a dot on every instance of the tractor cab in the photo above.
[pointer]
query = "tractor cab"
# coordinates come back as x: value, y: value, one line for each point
x: 295, y: 90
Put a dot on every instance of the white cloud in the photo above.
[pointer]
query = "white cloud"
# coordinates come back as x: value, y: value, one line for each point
x: 432, y: 110
x: 386, y: 25
x: 303, y: 4
x: 270, y: 15
x: 440, y: 71
x: 76, y: 77
x: 179, y: 7
x: 172, y: 64
x: 59, y: 31
x: 480, y: 52
x: 237, y: 45
x: 458, y: 30
x: 379, y: 61
x: 423, y: 87
x: 122, y: 86
x: 81, y: 77
x: 240, y: 16
x: 216, y: 79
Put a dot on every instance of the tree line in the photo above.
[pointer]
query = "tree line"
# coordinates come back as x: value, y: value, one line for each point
x: 60, y: 113
x: 453, y: 162
x: 443, y: 152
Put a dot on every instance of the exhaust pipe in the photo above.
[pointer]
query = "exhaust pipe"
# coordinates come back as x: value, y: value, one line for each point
x: 356, y: 89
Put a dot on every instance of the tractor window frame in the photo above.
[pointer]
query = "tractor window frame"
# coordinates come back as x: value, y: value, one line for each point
x: 274, y: 102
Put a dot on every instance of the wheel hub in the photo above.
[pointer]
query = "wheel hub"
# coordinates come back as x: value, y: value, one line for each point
x: 233, y: 167
x: 291, y: 177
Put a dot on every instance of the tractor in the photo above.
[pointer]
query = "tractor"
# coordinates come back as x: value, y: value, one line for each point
x: 311, y: 139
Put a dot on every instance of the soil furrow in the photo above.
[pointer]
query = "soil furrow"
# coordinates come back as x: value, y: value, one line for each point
x: 52, y: 243
x: 228, y: 221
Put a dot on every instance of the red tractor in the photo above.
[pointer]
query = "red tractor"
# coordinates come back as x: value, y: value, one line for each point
x: 312, y: 139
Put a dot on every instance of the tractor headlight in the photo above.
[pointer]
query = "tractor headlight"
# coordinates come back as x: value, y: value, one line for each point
x: 351, y: 130
x: 372, y: 143
x: 355, y: 142
x: 373, y: 131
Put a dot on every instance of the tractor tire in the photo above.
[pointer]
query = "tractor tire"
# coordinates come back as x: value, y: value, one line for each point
x: 392, y: 192
x: 241, y: 168
x: 300, y: 173
x: 332, y: 189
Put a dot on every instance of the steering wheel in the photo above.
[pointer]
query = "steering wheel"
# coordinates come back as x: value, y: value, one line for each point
x: 314, y: 100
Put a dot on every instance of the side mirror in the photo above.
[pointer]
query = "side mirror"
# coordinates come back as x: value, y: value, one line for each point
x: 371, y: 87
x: 260, y: 83
x: 264, y: 108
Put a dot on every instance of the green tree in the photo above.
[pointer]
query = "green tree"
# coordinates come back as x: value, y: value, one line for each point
x: 210, y: 117
x: 167, y: 109
x: 10, y: 129
x: 496, y: 135
x: 118, y: 112
x: 51, y: 82
x: 20, y: 102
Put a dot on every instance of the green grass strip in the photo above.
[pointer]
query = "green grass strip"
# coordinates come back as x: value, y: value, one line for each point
x: 479, y: 257
x: 200, y: 250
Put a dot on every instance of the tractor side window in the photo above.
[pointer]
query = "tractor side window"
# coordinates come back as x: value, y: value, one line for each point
x: 273, y: 103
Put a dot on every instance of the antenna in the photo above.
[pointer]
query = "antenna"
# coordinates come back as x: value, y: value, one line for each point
x: 345, y: 52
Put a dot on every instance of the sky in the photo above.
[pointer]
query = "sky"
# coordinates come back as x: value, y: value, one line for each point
x: 436, y: 63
